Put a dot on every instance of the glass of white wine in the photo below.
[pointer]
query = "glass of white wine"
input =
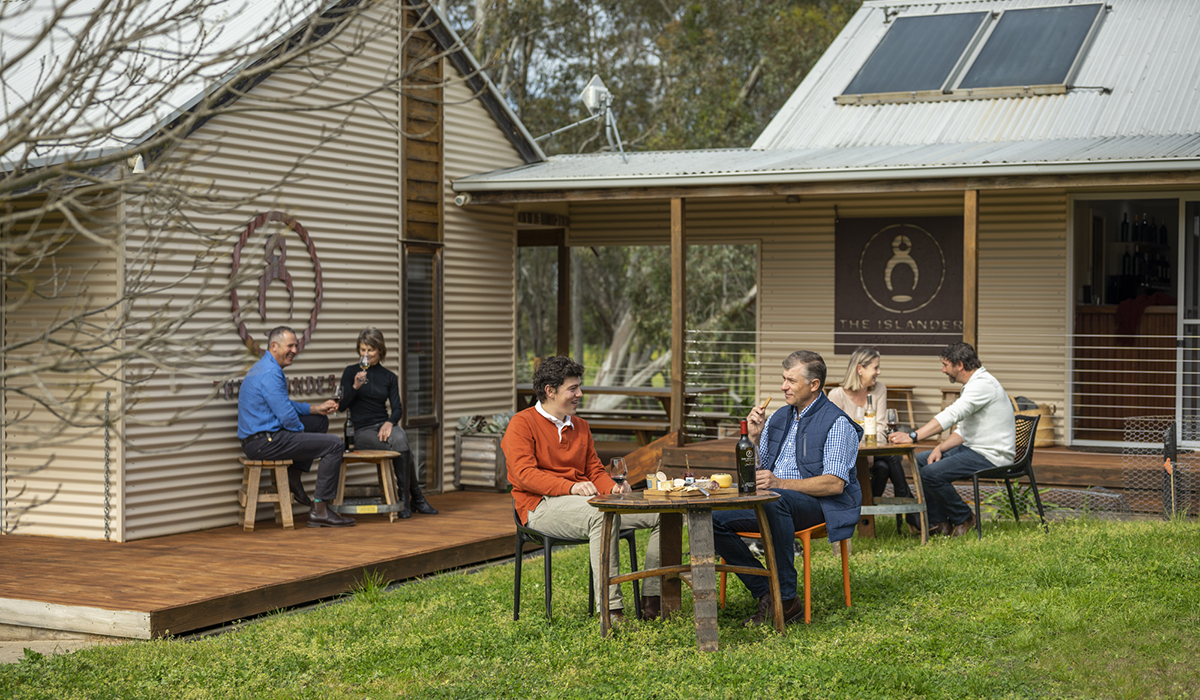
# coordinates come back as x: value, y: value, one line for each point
x: 364, y: 363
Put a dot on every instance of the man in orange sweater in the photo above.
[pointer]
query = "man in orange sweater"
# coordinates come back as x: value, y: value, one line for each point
x: 554, y: 469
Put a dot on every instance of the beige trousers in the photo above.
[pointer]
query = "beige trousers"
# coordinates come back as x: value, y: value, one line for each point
x: 571, y: 516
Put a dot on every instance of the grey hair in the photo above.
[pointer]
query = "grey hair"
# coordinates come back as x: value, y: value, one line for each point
x: 276, y: 334
x: 813, y: 364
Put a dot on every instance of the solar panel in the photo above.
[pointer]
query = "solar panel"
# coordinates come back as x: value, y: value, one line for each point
x: 917, y: 53
x: 1035, y: 46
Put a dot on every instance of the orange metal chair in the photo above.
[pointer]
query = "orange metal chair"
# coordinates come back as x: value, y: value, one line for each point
x: 805, y: 537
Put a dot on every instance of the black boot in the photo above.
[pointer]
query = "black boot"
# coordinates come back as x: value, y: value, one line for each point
x: 323, y: 516
x: 401, y: 472
x: 419, y: 504
x: 297, y: 487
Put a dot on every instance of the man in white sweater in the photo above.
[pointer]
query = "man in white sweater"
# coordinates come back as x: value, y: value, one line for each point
x: 986, y: 437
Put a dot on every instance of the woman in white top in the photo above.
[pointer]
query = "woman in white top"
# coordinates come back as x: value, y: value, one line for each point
x: 861, y: 380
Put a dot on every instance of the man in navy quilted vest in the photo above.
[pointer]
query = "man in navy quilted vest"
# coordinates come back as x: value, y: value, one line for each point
x: 806, y: 453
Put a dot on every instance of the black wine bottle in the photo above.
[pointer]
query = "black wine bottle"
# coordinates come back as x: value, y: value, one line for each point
x: 746, y: 462
x: 1125, y: 228
x: 348, y: 434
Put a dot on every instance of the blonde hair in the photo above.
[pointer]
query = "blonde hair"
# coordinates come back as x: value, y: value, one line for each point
x: 862, y: 355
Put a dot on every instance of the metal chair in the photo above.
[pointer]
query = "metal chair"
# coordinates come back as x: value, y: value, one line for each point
x: 547, y: 541
x: 805, y: 536
x: 1022, y: 466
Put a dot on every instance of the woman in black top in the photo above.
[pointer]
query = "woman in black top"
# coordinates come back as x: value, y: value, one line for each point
x: 367, y: 393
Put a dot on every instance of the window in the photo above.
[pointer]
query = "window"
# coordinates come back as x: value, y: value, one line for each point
x: 918, y: 53
x: 1024, y: 51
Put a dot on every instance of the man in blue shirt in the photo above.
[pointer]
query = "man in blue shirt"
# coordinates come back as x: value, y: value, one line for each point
x: 273, y: 427
x: 806, y: 454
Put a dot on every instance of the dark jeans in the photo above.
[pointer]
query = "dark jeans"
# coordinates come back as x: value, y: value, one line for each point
x: 404, y: 465
x: 957, y: 463
x: 792, y: 512
x: 891, y: 468
x: 302, y: 449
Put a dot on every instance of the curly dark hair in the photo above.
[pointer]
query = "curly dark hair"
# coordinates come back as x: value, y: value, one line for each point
x: 961, y: 353
x: 553, y: 371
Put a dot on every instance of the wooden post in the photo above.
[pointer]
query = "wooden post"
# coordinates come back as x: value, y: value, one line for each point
x: 564, y: 299
x: 678, y: 317
x: 971, y: 268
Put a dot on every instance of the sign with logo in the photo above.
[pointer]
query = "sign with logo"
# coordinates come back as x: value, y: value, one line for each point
x: 898, y: 284
x: 276, y: 234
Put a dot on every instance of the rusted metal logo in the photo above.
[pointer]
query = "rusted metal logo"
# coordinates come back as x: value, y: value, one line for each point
x: 275, y: 268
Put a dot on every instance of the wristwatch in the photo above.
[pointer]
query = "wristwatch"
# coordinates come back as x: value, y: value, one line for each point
x: 912, y: 435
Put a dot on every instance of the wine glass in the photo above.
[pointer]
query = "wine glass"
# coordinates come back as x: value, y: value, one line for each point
x: 364, y: 363
x: 618, y: 471
x: 893, y: 419
x: 339, y: 393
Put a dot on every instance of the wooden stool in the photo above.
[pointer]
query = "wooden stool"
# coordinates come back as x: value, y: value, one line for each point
x: 382, y: 459
x: 281, y: 496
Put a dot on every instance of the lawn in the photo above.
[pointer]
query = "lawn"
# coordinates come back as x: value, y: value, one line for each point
x: 1095, y: 609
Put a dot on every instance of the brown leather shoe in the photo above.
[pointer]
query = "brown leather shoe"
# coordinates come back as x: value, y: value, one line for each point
x: 964, y: 527
x: 651, y: 607
x: 323, y: 516
x: 616, y: 618
x: 942, y: 528
x: 793, y: 610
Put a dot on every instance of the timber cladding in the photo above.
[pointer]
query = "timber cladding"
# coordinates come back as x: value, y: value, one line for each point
x: 422, y: 110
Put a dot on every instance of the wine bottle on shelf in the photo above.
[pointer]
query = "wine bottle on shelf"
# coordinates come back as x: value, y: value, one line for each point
x: 1152, y: 231
x: 747, y: 461
x: 1125, y: 228
x: 869, y: 426
x: 1145, y: 228
x: 1163, y: 237
x: 1126, y: 264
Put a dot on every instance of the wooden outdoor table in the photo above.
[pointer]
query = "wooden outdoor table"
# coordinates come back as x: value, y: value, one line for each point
x: 703, y: 567
x: 894, y: 506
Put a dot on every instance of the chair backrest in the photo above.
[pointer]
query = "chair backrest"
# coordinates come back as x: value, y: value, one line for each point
x: 1026, y: 430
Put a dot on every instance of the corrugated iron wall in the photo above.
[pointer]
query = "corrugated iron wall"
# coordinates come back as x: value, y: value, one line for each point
x: 346, y: 194
x: 480, y: 274
x: 58, y: 464
x: 1023, y: 278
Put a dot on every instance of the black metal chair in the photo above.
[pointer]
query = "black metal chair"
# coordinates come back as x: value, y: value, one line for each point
x: 528, y: 534
x: 1021, y: 466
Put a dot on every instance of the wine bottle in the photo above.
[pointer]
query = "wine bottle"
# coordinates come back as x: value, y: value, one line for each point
x: 1126, y: 264
x: 869, y: 426
x: 747, y: 459
x: 348, y: 434
x: 1163, y: 236
x: 1125, y: 228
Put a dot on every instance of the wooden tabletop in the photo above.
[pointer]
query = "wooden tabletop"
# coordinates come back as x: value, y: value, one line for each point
x: 636, y: 502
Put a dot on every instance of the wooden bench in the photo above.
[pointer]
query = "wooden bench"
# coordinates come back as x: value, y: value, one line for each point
x: 640, y: 428
x: 250, y: 494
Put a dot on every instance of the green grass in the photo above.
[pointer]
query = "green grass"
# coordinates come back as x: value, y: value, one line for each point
x: 1095, y: 609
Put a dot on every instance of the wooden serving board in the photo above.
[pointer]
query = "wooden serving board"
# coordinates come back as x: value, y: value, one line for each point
x: 650, y: 494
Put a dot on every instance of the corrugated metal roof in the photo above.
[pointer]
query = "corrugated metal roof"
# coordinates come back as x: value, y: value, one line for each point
x: 1144, y: 51
x: 683, y: 168
x: 140, y: 89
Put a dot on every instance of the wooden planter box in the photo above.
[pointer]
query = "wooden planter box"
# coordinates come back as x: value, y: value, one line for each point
x: 479, y: 462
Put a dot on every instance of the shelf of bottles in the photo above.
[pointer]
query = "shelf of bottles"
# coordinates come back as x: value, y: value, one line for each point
x: 1144, y: 249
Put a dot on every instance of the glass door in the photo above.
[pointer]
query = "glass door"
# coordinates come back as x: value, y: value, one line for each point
x: 1188, y: 351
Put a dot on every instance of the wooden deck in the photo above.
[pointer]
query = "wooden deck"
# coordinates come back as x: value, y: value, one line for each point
x: 180, y: 583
